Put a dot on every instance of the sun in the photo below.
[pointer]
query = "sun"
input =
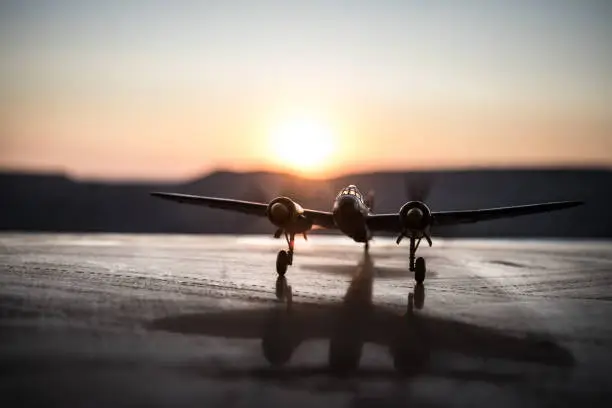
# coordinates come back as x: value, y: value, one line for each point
x: 303, y: 145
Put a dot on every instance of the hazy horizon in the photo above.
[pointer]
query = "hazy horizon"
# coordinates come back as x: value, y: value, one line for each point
x: 157, y: 90
x: 290, y: 173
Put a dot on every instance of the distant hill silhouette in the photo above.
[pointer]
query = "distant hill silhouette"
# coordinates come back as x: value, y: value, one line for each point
x: 32, y: 202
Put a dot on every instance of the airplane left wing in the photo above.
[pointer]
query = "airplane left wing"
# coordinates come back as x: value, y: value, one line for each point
x: 391, y: 222
x: 469, y: 216
x: 384, y: 222
x: 320, y: 218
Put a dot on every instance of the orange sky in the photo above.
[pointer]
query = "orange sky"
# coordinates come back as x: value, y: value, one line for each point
x: 161, y: 90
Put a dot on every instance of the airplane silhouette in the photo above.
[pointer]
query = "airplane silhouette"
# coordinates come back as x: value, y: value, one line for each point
x: 352, y: 214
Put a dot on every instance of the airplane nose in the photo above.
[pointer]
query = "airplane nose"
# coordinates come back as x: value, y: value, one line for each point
x: 348, y: 204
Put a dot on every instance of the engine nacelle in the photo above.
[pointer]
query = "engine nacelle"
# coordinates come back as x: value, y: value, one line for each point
x: 415, y: 216
x: 288, y: 215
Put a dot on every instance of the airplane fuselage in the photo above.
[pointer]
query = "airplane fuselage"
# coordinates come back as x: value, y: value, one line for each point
x: 350, y: 213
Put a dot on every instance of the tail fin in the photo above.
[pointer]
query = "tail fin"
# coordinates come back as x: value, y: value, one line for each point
x: 369, y: 200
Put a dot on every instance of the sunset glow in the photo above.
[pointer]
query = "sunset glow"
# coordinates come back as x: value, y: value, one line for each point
x: 167, y: 91
x: 303, y: 145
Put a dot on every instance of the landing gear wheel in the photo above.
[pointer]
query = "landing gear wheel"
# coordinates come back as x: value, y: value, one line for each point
x: 419, y: 270
x: 290, y: 258
x: 282, y: 261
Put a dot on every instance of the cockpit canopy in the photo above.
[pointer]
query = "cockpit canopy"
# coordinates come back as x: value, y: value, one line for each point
x: 351, y: 190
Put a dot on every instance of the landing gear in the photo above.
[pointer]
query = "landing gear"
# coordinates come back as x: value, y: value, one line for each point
x: 419, y: 270
x: 418, y: 266
x: 413, y: 247
x: 285, y: 258
x: 282, y: 261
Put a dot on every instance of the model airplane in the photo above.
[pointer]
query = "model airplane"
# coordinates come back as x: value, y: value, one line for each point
x: 352, y: 214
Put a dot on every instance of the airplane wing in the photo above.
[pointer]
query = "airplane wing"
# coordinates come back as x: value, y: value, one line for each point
x: 384, y: 222
x: 391, y: 222
x: 320, y: 218
x: 469, y: 216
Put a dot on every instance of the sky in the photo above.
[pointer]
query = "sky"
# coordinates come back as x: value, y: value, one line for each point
x: 173, y: 89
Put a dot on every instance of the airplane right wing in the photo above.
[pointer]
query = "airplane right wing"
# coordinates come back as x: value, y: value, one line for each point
x: 246, y: 207
x: 323, y: 219
x: 319, y: 218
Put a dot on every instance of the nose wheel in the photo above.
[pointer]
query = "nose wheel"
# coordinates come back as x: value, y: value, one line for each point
x: 285, y: 258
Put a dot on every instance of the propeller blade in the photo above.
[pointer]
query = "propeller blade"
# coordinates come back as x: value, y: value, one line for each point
x: 399, y: 238
x: 259, y: 191
x: 305, y: 237
x: 369, y: 200
x: 278, y: 233
x: 428, y: 238
x: 417, y: 186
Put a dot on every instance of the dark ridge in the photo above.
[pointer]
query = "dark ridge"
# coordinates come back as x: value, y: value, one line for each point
x: 55, y: 202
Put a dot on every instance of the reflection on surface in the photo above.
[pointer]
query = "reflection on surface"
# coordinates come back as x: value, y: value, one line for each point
x: 380, y: 272
x: 351, y: 320
x: 280, y: 338
x: 410, y: 335
x: 418, y: 296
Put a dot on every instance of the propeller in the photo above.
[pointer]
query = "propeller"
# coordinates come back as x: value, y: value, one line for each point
x: 417, y: 187
x: 369, y: 200
x: 265, y: 188
x: 269, y: 186
x: 279, y: 233
x: 405, y: 233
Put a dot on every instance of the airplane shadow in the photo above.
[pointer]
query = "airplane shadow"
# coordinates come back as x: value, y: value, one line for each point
x: 410, y: 336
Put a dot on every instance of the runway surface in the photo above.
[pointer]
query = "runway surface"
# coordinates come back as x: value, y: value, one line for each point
x: 200, y: 321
